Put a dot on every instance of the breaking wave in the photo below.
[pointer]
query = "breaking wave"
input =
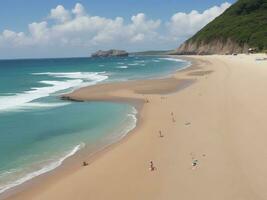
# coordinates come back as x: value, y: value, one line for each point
x: 24, y: 100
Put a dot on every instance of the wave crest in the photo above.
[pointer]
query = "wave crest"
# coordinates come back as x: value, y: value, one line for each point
x: 24, y: 100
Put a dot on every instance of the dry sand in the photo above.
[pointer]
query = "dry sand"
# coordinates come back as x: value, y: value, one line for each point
x: 219, y: 122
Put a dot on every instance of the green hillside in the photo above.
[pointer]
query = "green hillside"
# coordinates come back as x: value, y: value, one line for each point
x: 245, y: 22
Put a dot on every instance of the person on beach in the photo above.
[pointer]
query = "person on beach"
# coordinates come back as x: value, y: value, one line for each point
x: 152, y: 167
x: 173, y: 120
x: 194, y: 164
x: 85, y: 163
x: 160, y: 134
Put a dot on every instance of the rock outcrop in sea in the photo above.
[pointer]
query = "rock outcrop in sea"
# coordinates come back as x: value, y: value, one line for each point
x: 110, y: 53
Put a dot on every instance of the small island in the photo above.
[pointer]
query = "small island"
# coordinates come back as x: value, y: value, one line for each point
x: 110, y: 53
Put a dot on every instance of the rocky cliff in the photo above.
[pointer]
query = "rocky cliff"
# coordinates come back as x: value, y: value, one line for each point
x: 212, y: 47
x: 240, y: 27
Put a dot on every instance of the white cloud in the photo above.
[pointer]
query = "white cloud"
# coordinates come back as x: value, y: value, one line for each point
x: 78, y: 10
x: 76, y: 30
x: 86, y: 30
x: 186, y: 24
x: 140, y: 23
x: 39, y: 31
x: 60, y: 13
x: 12, y: 37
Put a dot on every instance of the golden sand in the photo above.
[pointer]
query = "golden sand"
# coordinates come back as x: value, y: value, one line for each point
x: 212, y: 119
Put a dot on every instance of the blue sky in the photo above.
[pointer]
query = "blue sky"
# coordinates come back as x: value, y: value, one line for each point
x: 143, y: 25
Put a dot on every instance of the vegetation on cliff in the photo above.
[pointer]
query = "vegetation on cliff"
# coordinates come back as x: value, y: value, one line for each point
x: 244, y: 23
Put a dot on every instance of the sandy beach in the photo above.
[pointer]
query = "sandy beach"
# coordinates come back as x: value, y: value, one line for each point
x: 212, y: 117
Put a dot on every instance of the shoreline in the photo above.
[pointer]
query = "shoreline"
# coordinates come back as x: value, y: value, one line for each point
x: 217, y: 124
x: 69, y: 162
x: 72, y: 163
x: 101, y: 91
x: 84, y: 153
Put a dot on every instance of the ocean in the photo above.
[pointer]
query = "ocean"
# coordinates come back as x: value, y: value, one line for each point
x: 38, y: 131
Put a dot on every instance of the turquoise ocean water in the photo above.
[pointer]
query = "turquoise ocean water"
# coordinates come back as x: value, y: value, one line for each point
x: 38, y: 131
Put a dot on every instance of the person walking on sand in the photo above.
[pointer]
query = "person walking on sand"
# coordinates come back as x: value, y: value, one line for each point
x: 160, y: 134
x: 173, y: 120
x: 194, y: 164
x: 152, y: 167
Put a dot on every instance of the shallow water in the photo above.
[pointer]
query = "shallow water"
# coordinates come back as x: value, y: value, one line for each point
x: 38, y: 131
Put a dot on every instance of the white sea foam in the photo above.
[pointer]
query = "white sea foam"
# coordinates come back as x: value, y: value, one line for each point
x: 122, y: 67
x: 20, y: 100
x: 128, y: 125
x: 24, y: 100
x: 132, y: 124
x: 178, y: 60
x: 133, y: 64
x: 89, y: 76
x: 133, y: 116
x: 173, y: 59
x: 42, y: 170
x: 45, y: 105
